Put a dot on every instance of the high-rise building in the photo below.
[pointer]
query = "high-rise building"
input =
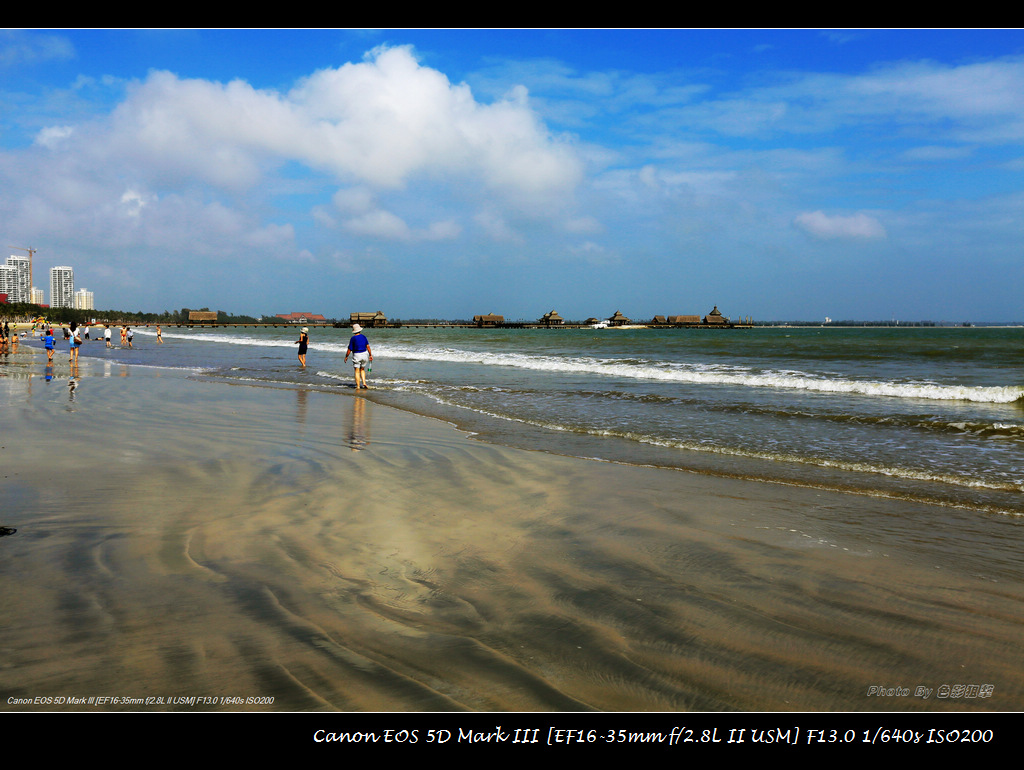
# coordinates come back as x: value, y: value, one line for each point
x: 62, y: 286
x: 83, y: 300
x: 15, y: 280
x: 8, y: 282
x: 38, y: 296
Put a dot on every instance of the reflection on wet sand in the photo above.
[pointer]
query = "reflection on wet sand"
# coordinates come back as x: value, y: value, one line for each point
x: 222, y: 551
x: 359, y: 433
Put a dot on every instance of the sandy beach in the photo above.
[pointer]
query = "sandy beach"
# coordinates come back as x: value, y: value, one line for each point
x: 315, y: 551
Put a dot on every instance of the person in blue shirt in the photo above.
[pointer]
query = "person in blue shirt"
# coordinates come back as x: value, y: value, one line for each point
x: 359, y: 349
x: 48, y: 344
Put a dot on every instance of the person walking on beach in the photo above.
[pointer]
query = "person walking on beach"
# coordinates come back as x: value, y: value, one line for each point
x: 48, y: 344
x: 303, y: 343
x: 106, y: 335
x: 124, y: 335
x: 130, y: 335
x: 75, y: 341
x: 362, y: 356
x: 159, y: 335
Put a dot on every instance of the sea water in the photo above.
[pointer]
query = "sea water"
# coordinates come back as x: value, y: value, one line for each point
x: 930, y: 414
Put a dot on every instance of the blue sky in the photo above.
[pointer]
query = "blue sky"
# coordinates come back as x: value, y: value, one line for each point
x: 778, y: 174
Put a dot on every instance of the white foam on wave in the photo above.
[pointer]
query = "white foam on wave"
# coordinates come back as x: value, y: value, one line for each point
x: 702, y: 374
x: 683, y: 373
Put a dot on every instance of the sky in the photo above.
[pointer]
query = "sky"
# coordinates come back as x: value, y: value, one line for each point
x: 778, y: 174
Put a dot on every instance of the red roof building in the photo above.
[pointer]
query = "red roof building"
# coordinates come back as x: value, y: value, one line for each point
x: 301, y: 318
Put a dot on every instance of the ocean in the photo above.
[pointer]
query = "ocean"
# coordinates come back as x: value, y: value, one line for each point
x: 933, y: 415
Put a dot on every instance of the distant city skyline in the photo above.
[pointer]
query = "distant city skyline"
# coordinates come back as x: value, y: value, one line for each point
x: 778, y: 174
x: 16, y: 284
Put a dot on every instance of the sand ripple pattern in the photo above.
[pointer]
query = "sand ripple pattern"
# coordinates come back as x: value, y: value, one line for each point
x: 226, y: 550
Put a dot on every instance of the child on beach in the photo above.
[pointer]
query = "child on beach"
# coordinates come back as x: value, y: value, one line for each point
x: 48, y: 344
x: 75, y: 342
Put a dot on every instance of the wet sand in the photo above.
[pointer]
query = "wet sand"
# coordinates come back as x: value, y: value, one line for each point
x: 180, y: 537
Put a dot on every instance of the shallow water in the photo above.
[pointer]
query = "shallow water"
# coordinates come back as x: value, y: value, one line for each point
x: 928, y: 414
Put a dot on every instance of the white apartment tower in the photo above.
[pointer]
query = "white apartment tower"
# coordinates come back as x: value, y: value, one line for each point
x: 83, y: 300
x: 62, y: 286
x: 38, y: 296
x: 8, y: 281
x: 15, y: 279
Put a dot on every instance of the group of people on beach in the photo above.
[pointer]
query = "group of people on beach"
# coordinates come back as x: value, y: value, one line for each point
x: 358, y: 348
x: 7, y: 342
x: 358, y: 345
x: 74, y: 335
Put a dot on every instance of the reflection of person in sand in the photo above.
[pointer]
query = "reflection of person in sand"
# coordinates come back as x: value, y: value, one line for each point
x: 362, y: 356
x: 359, y: 435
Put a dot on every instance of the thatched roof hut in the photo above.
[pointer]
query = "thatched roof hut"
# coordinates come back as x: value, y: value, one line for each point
x: 551, y: 319
x: 715, y: 317
x: 489, y: 319
x: 368, y: 319
x: 680, y: 320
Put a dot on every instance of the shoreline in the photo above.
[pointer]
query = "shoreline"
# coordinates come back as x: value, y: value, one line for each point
x: 334, y: 553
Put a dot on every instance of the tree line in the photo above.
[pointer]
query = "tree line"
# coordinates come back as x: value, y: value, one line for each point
x: 27, y: 311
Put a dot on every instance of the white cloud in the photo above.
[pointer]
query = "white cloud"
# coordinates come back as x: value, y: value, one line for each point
x: 19, y: 48
x: 379, y: 224
x: 442, y: 231
x: 52, y: 136
x: 189, y: 168
x: 384, y: 224
x: 379, y: 122
x: 821, y: 225
x: 133, y: 202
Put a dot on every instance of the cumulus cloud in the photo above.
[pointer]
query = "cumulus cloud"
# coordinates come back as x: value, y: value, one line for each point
x: 191, y: 167
x: 821, y: 225
x: 381, y: 122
